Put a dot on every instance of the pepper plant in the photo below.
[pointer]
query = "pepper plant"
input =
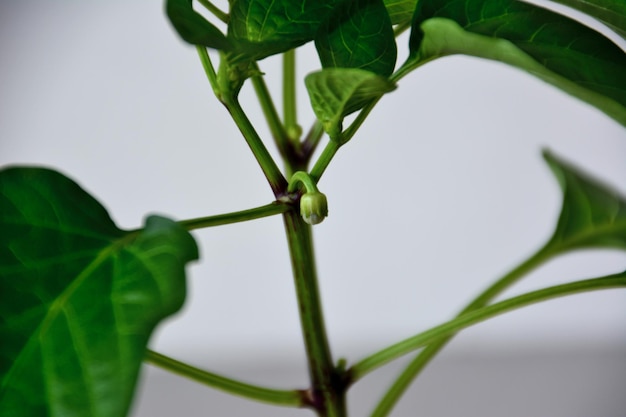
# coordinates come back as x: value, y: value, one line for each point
x: 80, y: 297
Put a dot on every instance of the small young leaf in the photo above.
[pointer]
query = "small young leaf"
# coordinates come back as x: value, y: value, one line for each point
x: 358, y: 35
x: 194, y: 28
x: 261, y: 28
x: 79, y: 297
x: 610, y: 12
x: 400, y: 11
x: 592, y: 214
x: 337, y: 92
x: 559, y: 50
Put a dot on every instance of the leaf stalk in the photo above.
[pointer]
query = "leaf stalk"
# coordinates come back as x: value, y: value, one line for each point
x: 294, y: 398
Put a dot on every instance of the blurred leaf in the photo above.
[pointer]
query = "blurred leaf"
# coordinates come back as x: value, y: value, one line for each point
x: 610, y: 12
x: 261, y: 28
x: 194, y: 28
x: 358, y: 35
x: 559, y: 50
x: 79, y: 298
x: 337, y: 92
x: 592, y: 215
x: 400, y: 11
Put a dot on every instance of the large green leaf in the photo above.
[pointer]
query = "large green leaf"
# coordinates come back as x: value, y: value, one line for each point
x: 610, y: 12
x: 553, y: 47
x: 592, y: 215
x: 79, y: 297
x: 261, y: 28
x: 400, y: 11
x: 194, y: 28
x: 358, y: 35
x: 337, y: 92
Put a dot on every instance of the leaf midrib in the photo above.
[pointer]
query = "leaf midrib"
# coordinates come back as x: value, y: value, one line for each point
x: 57, y: 305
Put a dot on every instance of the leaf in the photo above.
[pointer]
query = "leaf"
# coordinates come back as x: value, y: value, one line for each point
x: 194, y: 28
x: 592, y: 215
x: 358, y: 35
x: 559, y: 50
x: 261, y: 28
x: 79, y: 297
x: 610, y: 12
x: 400, y: 11
x: 337, y: 92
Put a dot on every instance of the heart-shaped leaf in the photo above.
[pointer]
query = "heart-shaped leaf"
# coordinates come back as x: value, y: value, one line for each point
x: 261, y: 28
x: 592, y: 215
x: 79, y: 297
x: 400, y: 11
x: 337, y: 92
x: 557, y: 49
x: 610, y: 12
x: 358, y: 35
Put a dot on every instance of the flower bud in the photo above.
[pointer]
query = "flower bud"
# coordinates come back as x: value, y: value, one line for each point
x: 313, y: 207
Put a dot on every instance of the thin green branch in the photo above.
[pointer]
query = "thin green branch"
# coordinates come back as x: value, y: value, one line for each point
x: 209, y: 70
x: 294, y: 398
x: 322, y: 162
x: 397, y: 350
x: 347, y: 134
x: 277, y: 181
x: 217, y: 12
x: 333, y: 146
x: 271, y: 114
x: 327, y: 385
x: 267, y: 210
x: 290, y: 111
x: 312, y: 139
x: 275, y: 178
x: 409, y: 374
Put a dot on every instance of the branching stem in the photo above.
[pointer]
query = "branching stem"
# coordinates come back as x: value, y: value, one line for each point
x: 294, y: 398
x: 409, y: 374
x: 476, y: 316
x: 271, y: 209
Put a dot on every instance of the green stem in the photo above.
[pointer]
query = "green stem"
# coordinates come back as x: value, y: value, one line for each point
x: 327, y: 384
x: 358, y: 121
x: 209, y: 70
x: 305, y: 179
x: 275, y: 178
x: 286, y: 398
x: 409, y: 374
x: 271, y: 115
x: 290, y: 113
x: 333, y: 146
x: 473, y: 317
x: 322, y: 162
x: 217, y: 12
x: 312, y: 139
x: 239, y: 216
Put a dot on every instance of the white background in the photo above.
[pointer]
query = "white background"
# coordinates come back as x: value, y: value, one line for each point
x: 442, y: 190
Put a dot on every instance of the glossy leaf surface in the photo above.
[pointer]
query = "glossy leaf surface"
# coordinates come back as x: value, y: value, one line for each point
x: 193, y: 27
x: 592, y: 215
x: 79, y: 298
x: 261, y: 28
x: 337, y: 92
x: 400, y: 11
x: 553, y: 47
x: 358, y: 35
x: 610, y: 12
